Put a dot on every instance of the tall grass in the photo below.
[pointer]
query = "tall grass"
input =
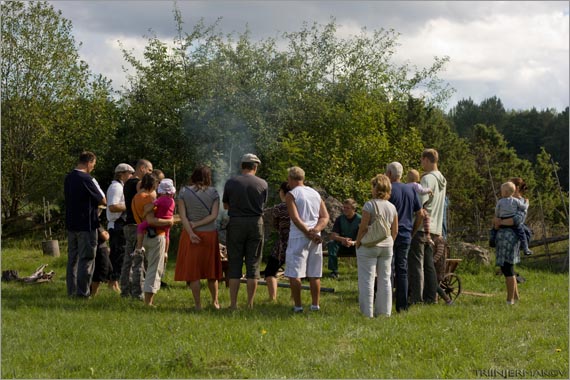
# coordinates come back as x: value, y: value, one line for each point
x: 47, y: 335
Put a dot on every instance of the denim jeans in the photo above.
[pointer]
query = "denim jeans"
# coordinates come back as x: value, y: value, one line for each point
x: 400, y: 274
x: 81, y: 251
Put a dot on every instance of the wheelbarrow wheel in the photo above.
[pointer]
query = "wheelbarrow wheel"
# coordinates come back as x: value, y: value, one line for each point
x: 451, y: 285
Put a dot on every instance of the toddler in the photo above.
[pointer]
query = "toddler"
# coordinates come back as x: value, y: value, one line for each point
x: 413, y: 179
x: 508, y: 207
x: 163, y: 208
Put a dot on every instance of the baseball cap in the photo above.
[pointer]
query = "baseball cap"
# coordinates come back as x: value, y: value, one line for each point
x: 121, y: 168
x: 250, y: 157
x: 166, y: 186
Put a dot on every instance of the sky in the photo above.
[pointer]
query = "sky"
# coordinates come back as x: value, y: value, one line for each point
x: 515, y: 50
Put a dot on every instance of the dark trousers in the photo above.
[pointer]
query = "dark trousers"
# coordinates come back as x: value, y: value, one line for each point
x: 244, y: 243
x: 117, y: 247
x: 400, y: 273
x: 81, y: 251
x: 422, y: 278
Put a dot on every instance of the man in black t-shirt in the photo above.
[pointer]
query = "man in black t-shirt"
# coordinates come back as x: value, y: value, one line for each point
x: 83, y: 195
x: 132, y: 272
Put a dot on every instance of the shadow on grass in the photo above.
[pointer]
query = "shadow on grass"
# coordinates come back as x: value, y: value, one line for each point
x: 50, y: 296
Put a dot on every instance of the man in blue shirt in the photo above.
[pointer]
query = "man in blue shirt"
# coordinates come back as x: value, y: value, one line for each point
x: 407, y: 203
x: 83, y: 195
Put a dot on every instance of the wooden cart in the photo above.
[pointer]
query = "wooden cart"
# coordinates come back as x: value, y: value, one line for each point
x: 445, y: 268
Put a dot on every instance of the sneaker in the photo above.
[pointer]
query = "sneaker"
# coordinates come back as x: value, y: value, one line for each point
x: 528, y: 252
x: 334, y: 275
x: 297, y: 309
x: 449, y: 303
x: 315, y: 308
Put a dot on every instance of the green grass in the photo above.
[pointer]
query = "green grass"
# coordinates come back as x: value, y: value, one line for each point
x: 47, y: 335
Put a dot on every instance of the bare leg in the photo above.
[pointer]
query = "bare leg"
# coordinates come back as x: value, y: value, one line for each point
x: 296, y: 291
x: 315, y: 285
x: 251, y: 289
x: 213, y: 286
x: 94, y: 288
x: 271, y: 287
x: 148, y: 299
x: 114, y: 286
x: 195, y: 288
x: 140, y: 238
x: 511, y: 284
x: 234, y: 289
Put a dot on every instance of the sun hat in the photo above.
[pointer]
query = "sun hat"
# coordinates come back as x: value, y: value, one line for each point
x: 166, y: 186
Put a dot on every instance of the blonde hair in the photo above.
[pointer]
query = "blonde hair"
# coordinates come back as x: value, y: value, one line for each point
x: 351, y: 202
x: 413, y: 176
x: 508, y: 189
x: 381, y: 186
x: 296, y: 173
x: 431, y: 155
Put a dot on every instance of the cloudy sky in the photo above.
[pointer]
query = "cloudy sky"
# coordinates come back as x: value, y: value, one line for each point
x: 517, y: 51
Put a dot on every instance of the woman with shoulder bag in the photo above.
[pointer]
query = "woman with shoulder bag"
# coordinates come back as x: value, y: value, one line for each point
x: 199, y: 249
x: 374, y: 258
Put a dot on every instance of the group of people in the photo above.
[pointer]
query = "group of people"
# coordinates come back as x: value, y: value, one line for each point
x: 140, y: 205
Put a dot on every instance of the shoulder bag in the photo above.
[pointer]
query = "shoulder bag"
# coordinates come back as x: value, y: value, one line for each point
x: 377, y: 231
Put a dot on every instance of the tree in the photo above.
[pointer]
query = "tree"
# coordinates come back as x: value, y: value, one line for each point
x: 495, y: 163
x: 550, y: 193
x: 52, y: 107
x: 223, y: 97
x: 464, y: 116
x: 556, y: 143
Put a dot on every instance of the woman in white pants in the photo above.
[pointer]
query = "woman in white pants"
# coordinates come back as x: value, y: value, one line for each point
x: 376, y: 261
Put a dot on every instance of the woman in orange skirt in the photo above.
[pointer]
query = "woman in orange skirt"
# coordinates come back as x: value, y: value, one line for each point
x: 199, y: 250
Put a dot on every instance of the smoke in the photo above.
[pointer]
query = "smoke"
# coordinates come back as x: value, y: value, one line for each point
x: 219, y: 137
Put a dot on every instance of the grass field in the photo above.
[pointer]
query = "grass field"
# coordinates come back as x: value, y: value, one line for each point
x: 47, y: 335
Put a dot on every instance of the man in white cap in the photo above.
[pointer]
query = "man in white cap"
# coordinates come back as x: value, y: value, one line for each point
x: 244, y: 197
x: 116, y: 216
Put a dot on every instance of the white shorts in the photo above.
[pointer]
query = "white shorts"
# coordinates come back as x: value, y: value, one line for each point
x: 304, y: 258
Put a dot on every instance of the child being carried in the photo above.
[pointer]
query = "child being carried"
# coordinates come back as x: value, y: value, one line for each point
x: 413, y: 179
x: 516, y: 208
x: 163, y: 208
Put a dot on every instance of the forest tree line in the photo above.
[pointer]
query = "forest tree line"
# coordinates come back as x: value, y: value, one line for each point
x: 338, y: 107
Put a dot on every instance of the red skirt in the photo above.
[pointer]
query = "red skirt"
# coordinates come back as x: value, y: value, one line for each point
x: 198, y: 261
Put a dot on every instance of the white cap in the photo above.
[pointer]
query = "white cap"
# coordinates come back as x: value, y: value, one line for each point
x: 250, y: 157
x: 121, y: 168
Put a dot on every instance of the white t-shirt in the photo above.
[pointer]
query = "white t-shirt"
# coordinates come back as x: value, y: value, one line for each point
x: 308, y: 202
x: 114, y: 197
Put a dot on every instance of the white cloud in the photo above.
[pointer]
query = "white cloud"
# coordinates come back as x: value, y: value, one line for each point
x: 503, y: 48
x: 510, y: 54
